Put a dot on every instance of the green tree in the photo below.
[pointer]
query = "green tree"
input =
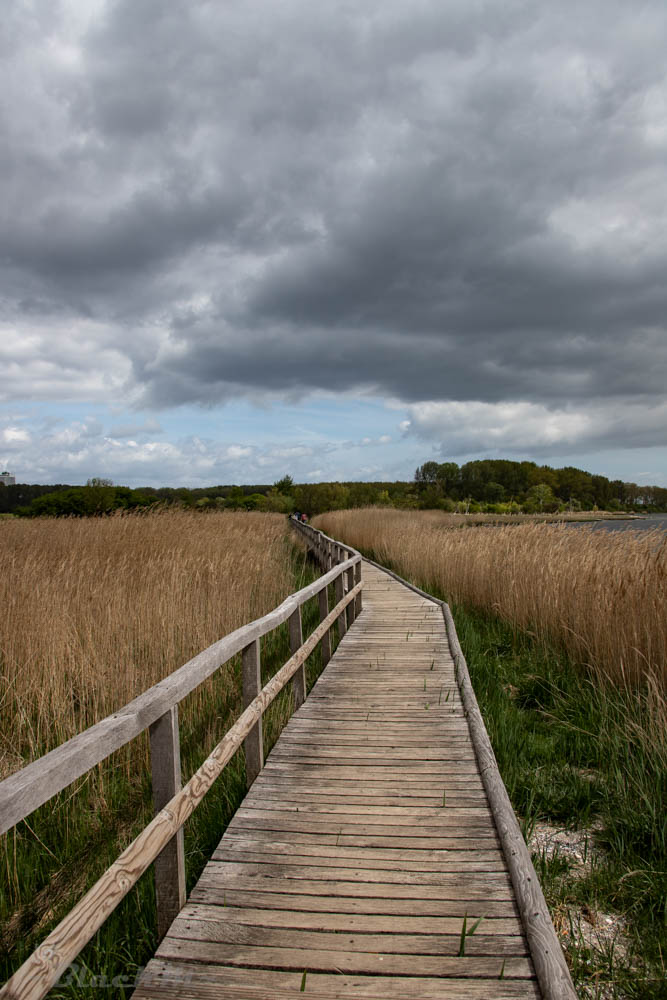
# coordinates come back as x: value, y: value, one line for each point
x: 284, y: 485
x: 494, y: 492
x: 427, y: 473
x: 540, y: 497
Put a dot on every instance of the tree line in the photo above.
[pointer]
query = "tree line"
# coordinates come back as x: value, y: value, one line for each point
x: 502, y: 482
x: 488, y: 485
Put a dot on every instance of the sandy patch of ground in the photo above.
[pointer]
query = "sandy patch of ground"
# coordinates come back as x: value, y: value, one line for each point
x: 600, y: 939
x: 576, y: 846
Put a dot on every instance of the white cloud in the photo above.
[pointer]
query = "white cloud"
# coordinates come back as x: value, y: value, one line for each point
x: 15, y: 435
x: 524, y: 428
x: 238, y: 451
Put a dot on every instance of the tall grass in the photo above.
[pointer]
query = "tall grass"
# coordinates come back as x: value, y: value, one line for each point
x: 599, y: 596
x: 96, y: 610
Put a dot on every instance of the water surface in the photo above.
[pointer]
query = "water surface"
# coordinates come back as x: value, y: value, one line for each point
x: 645, y: 523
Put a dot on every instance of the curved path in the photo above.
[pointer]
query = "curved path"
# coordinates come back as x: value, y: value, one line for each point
x: 365, y: 853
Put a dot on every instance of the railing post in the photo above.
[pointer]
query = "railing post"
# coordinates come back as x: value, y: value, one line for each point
x: 351, y: 608
x: 323, y: 598
x: 357, y: 579
x: 166, y: 778
x: 252, y: 685
x: 339, y: 588
x: 296, y: 642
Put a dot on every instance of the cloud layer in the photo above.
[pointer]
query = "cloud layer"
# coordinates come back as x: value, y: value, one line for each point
x: 458, y: 206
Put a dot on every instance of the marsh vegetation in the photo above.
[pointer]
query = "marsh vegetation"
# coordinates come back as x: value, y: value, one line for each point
x: 564, y: 633
x: 98, y: 610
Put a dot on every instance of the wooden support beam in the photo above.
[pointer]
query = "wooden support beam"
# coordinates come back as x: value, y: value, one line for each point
x: 357, y: 579
x: 339, y: 589
x: 252, y: 685
x: 323, y: 598
x: 166, y: 777
x: 295, y: 643
x: 350, y: 610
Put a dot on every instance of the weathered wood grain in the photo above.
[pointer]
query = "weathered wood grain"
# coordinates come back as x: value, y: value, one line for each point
x: 295, y: 643
x: 508, y: 927
x: 226, y: 930
x: 325, y: 903
x: 166, y: 780
x: 191, y: 981
x: 252, y: 685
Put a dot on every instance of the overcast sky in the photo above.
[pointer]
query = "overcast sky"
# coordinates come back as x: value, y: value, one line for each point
x: 331, y: 239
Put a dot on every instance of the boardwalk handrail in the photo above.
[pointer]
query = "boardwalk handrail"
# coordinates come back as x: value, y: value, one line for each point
x: 25, y: 790
x: 157, y: 710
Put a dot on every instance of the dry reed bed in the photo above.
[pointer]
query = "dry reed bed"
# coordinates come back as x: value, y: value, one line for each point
x: 600, y: 595
x: 97, y: 610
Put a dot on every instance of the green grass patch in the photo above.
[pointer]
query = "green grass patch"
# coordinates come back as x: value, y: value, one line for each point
x: 582, y: 754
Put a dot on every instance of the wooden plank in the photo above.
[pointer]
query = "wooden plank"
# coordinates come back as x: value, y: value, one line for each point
x: 373, y: 837
x: 332, y: 854
x: 408, y: 815
x: 311, y: 752
x: 490, y: 927
x: 328, y: 903
x: 364, y: 826
x: 342, y: 961
x: 361, y: 772
x: 475, y: 892
x: 303, y: 796
x: 228, y: 931
x: 180, y: 980
x: 476, y: 863
x: 367, y: 875
x: 282, y: 781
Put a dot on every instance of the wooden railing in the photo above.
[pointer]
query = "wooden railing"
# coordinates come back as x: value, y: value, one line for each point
x: 161, y: 842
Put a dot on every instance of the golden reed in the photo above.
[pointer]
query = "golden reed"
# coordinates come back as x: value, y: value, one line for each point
x: 600, y: 595
x: 96, y: 610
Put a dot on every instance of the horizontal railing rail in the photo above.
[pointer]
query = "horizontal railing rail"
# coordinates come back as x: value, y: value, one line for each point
x: 161, y: 842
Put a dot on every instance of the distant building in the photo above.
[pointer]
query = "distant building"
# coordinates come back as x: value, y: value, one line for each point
x: 7, y: 478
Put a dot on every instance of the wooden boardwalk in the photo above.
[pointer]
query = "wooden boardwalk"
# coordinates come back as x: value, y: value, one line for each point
x: 363, y: 846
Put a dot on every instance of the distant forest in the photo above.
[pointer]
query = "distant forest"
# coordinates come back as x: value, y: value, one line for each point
x: 489, y: 485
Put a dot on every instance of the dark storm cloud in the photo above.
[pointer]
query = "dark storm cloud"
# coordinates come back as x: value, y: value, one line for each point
x: 434, y: 202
